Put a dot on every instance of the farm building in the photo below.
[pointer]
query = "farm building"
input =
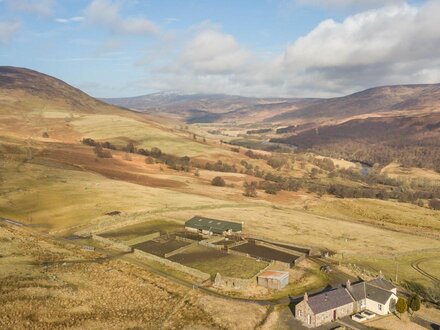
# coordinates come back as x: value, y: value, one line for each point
x: 273, y: 279
x: 324, y: 308
x: 209, y: 226
x: 377, y: 295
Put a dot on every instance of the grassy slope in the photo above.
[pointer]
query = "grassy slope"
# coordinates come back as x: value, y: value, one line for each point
x: 65, y: 188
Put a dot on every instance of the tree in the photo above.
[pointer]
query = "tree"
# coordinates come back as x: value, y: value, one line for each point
x: 434, y: 204
x: 401, y: 306
x: 102, y: 153
x: 218, y: 181
x: 130, y: 148
x: 155, y: 152
x: 414, y: 302
x: 149, y: 160
x: 250, y: 189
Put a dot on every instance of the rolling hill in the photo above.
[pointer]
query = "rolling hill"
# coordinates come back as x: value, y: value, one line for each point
x: 388, y: 100
x: 209, y: 108
x: 206, y: 108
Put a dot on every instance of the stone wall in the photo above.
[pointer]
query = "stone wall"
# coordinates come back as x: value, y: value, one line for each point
x: 279, y: 248
x: 179, y: 250
x: 238, y: 253
x: 203, y: 277
x: 112, y: 244
x: 185, y: 239
x: 311, y: 251
x: 144, y: 238
x: 234, y: 283
x: 237, y: 244
x: 327, y: 316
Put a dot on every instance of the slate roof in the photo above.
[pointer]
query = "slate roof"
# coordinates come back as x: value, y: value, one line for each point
x: 365, y: 290
x: 213, y: 225
x: 329, y: 300
x: 382, y: 283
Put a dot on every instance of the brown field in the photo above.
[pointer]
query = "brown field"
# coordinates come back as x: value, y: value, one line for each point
x: 160, y: 246
x: 265, y: 253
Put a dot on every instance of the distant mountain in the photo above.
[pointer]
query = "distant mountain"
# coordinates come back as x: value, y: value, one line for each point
x: 380, y: 100
x: 199, y: 108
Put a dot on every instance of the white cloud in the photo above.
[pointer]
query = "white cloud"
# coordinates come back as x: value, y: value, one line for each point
x: 75, y: 19
x: 38, y: 7
x: 350, y: 3
x: 107, y: 14
x: 390, y: 45
x: 214, y: 52
x: 7, y: 29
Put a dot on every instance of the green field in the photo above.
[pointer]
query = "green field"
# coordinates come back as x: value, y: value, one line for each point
x: 212, y: 262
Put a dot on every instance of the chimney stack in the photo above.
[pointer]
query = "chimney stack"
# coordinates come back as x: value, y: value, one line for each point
x: 348, y: 285
x: 306, y: 297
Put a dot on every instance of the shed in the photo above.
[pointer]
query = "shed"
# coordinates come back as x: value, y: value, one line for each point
x: 212, y: 226
x: 273, y: 279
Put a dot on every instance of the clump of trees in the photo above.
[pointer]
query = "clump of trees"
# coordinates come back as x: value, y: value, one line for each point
x: 101, y: 152
x: 277, y: 162
x: 220, y: 166
x: 255, y: 155
x: 250, y: 189
x: 218, y: 181
x: 434, y: 204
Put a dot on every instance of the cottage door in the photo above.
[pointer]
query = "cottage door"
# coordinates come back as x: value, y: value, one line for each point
x: 334, y: 315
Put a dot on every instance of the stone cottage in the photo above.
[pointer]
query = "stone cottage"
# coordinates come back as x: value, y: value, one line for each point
x: 324, y: 308
x: 377, y: 296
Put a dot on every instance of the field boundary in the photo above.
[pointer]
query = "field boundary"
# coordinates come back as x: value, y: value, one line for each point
x: 111, y: 243
x: 179, y: 250
x: 308, y: 250
x: 203, y: 277
x: 142, y: 239
x: 236, y: 283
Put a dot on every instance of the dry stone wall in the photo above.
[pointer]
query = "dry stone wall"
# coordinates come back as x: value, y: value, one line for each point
x: 112, y: 244
x: 203, y: 277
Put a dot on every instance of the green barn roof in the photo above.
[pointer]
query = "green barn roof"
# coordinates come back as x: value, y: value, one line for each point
x: 213, y: 225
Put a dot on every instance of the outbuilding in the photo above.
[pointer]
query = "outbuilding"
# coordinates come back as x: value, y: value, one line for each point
x: 208, y: 226
x: 273, y: 279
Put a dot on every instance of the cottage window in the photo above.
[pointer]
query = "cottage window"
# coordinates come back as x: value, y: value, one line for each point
x: 379, y: 306
x: 299, y: 313
x: 309, y: 319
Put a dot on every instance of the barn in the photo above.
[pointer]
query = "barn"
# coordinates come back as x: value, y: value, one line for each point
x: 208, y: 226
x: 273, y: 279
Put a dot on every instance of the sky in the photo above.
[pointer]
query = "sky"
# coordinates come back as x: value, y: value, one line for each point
x: 279, y: 48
